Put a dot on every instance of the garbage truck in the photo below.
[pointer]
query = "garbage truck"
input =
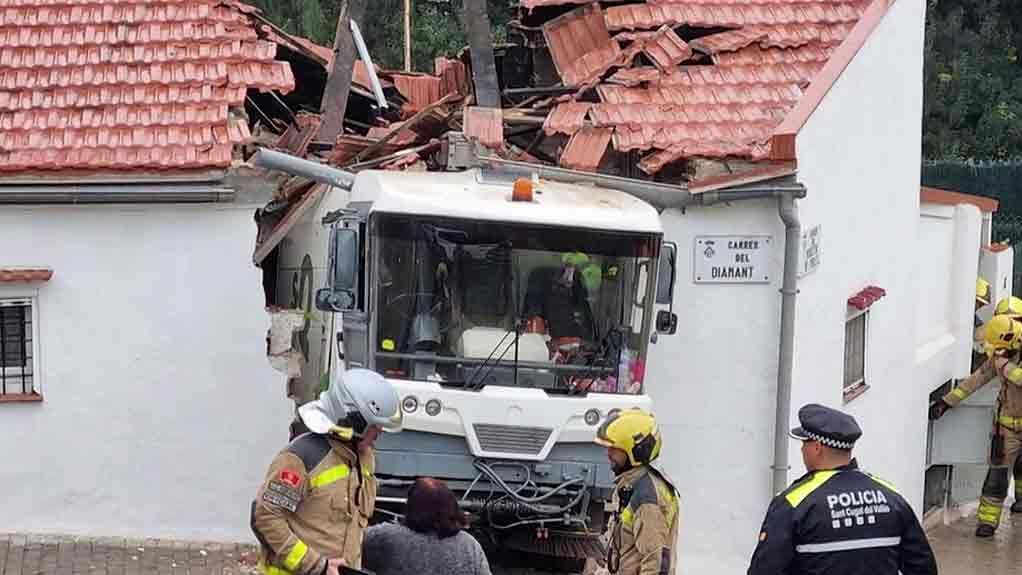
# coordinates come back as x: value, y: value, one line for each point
x: 512, y: 306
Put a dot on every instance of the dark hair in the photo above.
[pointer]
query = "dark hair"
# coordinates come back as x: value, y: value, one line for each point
x: 433, y: 508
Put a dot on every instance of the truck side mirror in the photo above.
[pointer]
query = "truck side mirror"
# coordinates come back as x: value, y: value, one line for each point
x: 666, y: 322
x: 342, y: 272
x: 665, y: 277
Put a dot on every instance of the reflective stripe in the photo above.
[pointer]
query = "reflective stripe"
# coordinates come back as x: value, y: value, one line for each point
x: 1014, y: 375
x: 1010, y: 422
x: 989, y: 514
x: 295, y: 556
x: 271, y: 569
x: 331, y: 475
x: 959, y: 393
x: 883, y: 482
x: 799, y: 494
x: 849, y: 545
x: 626, y: 516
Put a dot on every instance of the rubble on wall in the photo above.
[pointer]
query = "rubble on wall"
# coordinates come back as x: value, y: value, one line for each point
x: 284, y: 356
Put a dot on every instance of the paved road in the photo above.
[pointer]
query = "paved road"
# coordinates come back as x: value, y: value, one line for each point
x: 960, y: 553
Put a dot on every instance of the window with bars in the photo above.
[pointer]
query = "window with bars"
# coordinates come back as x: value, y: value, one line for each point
x: 855, y: 356
x: 17, y: 348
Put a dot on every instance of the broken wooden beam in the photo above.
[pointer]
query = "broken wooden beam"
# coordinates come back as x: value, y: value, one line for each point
x: 335, y: 96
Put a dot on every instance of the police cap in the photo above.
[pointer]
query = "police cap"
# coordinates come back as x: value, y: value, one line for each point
x: 830, y: 427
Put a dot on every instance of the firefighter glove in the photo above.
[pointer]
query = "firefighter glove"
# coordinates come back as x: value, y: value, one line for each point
x: 938, y: 409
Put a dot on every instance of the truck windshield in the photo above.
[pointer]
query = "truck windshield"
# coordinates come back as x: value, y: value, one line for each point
x: 470, y: 303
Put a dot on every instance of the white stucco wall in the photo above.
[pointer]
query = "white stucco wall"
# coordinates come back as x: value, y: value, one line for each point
x: 714, y: 382
x: 161, y: 412
x: 859, y: 157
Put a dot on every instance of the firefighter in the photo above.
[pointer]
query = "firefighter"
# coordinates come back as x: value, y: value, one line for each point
x: 1004, y: 340
x: 982, y: 299
x: 836, y: 519
x: 319, y: 492
x: 641, y: 533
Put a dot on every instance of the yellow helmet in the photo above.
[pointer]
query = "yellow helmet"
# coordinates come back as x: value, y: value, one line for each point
x: 633, y: 431
x: 1009, y: 306
x: 1003, y: 332
x: 982, y: 291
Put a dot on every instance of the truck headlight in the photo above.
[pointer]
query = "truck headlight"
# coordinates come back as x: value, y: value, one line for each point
x: 409, y: 404
x: 592, y: 416
x: 433, y: 407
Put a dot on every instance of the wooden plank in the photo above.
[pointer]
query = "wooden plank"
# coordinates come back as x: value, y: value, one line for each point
x: 484, y: 68
x: 288, y: 222
x: 406, y: 124
x: 335, y: 96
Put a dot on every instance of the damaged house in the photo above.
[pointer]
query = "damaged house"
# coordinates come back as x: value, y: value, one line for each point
x: 791, y: 132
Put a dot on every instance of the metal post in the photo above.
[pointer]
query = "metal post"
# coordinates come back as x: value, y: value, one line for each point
x: 264, y: 158
x: 408, y: 35
x: 363, y: 53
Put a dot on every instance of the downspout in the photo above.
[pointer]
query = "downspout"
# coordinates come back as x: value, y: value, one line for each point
x: 788, y: 211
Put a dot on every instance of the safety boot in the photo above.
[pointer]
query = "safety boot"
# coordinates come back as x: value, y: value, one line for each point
x: 1016, y: 507
x: 985, y: 531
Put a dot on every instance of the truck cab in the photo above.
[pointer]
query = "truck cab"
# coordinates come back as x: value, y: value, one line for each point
x: 513, y: 315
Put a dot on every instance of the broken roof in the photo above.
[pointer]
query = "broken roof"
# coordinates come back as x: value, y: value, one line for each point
x: 128, y: 86
x: 721, y: 94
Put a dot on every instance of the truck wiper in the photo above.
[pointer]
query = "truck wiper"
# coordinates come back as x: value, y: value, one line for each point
x: 482, y: 378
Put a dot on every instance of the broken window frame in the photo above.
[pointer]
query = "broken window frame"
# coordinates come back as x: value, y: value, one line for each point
x: 19, y: 367
x: 855, y: 376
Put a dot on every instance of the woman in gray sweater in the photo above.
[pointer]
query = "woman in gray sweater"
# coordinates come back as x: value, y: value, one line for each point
x: 431, y: 539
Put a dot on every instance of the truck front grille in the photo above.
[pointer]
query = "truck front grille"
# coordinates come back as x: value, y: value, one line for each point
x: 511, y: 438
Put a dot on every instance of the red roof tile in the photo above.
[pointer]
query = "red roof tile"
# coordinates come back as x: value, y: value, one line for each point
x: 666, y: 49
x: 531, y: 4
x: 728, y: 41
x: 566, y: 118
x: 127, y: 84
x: 453, y: 76
x: 721, y: 75
x: 485, y: 125
x: 580, y: 45
x: 754, y: 55
x: 25, y: 275
x: 586, y: 148
x: 701, y: 94
x: 761, y: 69
x: 419, y: 90
x: 654, y: 15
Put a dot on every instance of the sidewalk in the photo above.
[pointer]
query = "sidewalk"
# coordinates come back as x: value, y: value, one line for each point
x: 62, y: 555
x: 960, y: 553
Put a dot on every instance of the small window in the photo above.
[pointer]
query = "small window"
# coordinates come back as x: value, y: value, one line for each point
x: 855, y: 356
x: 17, y: 349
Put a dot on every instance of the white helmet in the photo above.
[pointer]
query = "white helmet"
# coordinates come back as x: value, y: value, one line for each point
x: 355, y: 400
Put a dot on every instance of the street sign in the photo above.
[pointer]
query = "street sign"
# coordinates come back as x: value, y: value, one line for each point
x: 731, y: 259
x: 810, y: 251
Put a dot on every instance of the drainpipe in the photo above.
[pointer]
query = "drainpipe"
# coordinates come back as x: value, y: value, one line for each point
x: 788, y: 211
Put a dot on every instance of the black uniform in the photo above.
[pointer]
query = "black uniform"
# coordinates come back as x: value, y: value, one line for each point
x: 841, y: 522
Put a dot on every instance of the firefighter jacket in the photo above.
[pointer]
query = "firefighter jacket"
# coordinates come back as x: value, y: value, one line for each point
x: 841, y: 522
x: 313, y: 505
x: 1010, y: 412
x: 643, y: 529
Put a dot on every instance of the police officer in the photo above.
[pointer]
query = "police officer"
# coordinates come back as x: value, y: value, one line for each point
x: 1003, y: 340
x: 644, y: 525
x: 836, y: 519
x: 320, y: 491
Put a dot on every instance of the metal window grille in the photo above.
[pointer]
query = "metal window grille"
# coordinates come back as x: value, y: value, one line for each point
x: 855, y: 353
x: 16, y: 347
